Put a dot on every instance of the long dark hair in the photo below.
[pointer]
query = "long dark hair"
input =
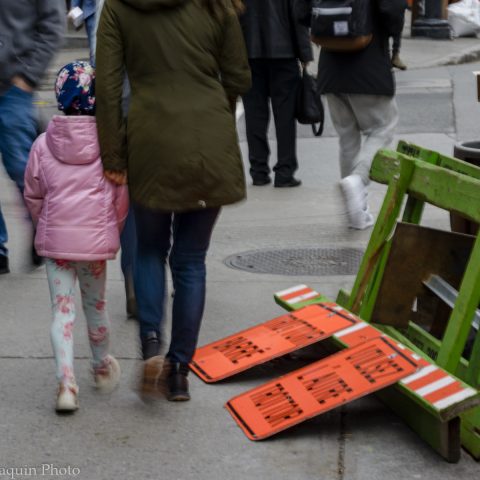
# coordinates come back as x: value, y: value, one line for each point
x: 219, y: 7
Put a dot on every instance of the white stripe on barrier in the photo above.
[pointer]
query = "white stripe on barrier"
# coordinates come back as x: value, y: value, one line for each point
x: 433, y: 387
x: 455, y: 398
x: 420, y: 374
x: 301, y: 298
x: 290, y: 290
x: 351, y: 329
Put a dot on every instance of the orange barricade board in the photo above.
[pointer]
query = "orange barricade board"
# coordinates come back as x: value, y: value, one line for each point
x: 269, y: 340
x: 321, y: 386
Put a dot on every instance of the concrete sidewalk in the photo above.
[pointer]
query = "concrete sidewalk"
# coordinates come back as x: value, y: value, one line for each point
x: 119, y: 436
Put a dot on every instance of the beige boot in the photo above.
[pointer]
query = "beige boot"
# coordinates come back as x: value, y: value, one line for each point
x: 397, y: 62
x: 152, y: 381
x: 107, y: 378
x: 67, y: 398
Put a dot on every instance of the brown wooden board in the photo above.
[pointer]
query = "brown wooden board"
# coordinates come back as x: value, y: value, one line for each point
x: 416, y: 253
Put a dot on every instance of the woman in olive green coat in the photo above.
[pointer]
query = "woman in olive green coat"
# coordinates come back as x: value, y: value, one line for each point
x: 186, y: 63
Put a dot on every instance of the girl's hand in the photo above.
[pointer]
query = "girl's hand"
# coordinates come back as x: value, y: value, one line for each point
x: 117, y: 177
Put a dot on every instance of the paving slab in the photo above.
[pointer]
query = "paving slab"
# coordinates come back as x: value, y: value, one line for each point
x: 120, y: 436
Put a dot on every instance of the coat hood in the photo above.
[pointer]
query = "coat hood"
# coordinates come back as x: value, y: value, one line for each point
x: 73, y: 140
x: 149, y: 5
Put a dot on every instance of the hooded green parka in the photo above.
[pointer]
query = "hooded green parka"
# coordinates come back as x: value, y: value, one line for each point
x: 179, y: 142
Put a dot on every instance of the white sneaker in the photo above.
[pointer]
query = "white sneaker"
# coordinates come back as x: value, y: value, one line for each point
x: 107, y: 378
x: 362, y: 220
x: 67, y: 398
x: 355, y: 195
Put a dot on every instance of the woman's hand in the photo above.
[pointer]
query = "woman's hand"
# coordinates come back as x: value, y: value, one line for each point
x: 115, y: 176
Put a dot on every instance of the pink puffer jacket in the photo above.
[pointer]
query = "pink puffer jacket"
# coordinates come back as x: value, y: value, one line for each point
x: 78, y: 213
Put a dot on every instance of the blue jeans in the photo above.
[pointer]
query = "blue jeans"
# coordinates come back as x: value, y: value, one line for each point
x: 18, y: 129
x: 91, y: 36
x: 188, y: 234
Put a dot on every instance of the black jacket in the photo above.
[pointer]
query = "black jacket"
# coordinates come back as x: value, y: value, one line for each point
x: 367, y: 71
x: 270, y: 31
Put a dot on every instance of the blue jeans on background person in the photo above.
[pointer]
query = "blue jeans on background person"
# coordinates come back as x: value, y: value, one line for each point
x: 188, y: 234
x: 3, y: 236
x: 91, y: 36
x: 18, y: 130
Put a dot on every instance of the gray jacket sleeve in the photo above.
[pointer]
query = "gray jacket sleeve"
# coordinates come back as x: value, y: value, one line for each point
x: 46, y: 39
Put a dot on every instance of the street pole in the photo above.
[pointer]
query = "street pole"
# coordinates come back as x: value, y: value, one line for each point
x: 431, y: 20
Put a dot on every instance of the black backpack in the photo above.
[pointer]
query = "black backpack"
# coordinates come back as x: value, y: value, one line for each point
x: 342, y: 25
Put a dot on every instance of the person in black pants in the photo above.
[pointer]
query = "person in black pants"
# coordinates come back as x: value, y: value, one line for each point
x: 275, y: 44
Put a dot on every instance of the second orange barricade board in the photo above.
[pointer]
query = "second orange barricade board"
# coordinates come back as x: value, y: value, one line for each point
x: 269, y: 340
x: 321, y: 386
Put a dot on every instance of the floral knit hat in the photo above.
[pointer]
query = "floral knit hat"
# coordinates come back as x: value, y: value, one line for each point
x: 75, y: 88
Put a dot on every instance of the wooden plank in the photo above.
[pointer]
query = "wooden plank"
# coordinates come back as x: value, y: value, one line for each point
x: 446, y: 412
x: 460, y: 320
x: 443, y: 437
x: 470, y: 432
x: 298, y: 297
x: 415, y: 253
x: 473, y: 371
x: 438, y: 186
x: 433, y: 158
x: 364, y: 331
x: 415, y: 151
x: 382, y: 231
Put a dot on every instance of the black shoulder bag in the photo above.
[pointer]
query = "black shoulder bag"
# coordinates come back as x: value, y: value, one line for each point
x: 309, y: 108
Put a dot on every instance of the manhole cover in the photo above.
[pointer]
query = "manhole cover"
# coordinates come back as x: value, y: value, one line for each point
x: 299, y: 261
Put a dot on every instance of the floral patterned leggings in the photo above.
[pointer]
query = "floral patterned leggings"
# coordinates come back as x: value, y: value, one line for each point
x: 62, y: 275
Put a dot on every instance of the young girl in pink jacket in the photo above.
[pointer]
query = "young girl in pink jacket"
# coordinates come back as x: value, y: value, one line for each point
x: 78, y: 215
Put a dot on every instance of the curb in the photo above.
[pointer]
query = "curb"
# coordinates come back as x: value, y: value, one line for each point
x: 72, y: 41
x: 466, y: 56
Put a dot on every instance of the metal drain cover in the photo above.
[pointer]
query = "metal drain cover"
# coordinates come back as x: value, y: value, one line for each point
x: 299, y: 261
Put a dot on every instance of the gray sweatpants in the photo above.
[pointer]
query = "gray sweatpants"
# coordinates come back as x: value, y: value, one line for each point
x: 374, y: 116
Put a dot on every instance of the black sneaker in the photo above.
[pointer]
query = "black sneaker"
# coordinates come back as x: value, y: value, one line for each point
x: 261, y: 181
x: 4, y: 264
x: 150, y: 345
x: 177, y: 382
x: 292, y: 182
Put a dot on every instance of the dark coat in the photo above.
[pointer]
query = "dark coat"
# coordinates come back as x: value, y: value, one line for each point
x: 184, y: 66
x: 367, y: 71
x: 270, y: 31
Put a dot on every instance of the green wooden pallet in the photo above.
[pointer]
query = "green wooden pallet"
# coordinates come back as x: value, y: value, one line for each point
x: 421, y: 176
